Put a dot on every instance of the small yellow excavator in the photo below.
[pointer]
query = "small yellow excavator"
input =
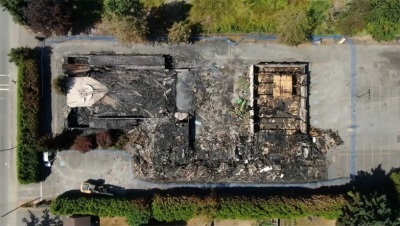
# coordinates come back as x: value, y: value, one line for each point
x: 88, y: 188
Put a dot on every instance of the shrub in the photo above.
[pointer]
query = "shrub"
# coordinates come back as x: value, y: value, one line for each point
x: 179, y: 32
x: 49, y: 16
x: 136, y: 211
x: 354, y: 18
x: 122, y: 140
x: 181, y: 208
x: 20, y: 54
x: 61, y: 84
x: 83, y: 144
x: 104, y: 139
x: 125, y: 20
x: 28, y: 107
x: 127, y: 30
x: 293, y: 25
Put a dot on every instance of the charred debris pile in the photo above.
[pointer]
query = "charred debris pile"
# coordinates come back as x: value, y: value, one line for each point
x: 205, y: 141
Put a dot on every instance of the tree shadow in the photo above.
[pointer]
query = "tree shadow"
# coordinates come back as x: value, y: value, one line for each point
x: 45, y: 72
x: 32, y: 221
x: 85, y: 14
x: 375, y: 181
x: 154, y: 222
x: 46, y: 219
x: 161, y: 18
x: 62, y: 141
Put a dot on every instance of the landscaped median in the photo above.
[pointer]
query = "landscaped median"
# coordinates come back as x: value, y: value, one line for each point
x: 28, y: 114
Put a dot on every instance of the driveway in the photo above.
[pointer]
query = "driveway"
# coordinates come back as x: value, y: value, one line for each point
x: 71, y: 168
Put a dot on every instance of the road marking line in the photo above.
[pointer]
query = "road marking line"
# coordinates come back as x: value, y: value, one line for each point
x: 4, y: 75
x: 4, y: 84
x: 4, y: 89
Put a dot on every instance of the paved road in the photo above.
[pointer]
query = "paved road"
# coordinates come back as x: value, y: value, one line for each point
x: 12, y: 35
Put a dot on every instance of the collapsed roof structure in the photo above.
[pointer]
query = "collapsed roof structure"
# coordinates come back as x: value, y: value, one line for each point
x: 183, y: 126
x: 114, y: 92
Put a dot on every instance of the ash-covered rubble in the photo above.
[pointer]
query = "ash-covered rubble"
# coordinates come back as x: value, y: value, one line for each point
x: 117, y: 92
x: 205, y: 125
x: 269, y: 143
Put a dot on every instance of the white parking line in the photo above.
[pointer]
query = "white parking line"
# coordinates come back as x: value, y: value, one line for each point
x: 4, y: 84
x: 4, y: 89
x: 4, y: 75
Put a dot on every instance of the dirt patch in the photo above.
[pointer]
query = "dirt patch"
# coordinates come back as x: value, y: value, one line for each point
x: 113, y: 221
x: 236, y: 223
x: 312, y: 221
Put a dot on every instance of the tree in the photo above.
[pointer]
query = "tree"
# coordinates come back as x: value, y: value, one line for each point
x: 49, y: 17
x: 124, y: 8
x: 293, y: 25
x: 354, y: 17
x: 15, y: 8
x: 367, y: 210
x: 179, y: 32
x: 82, y: 144
x: 20, y: 54
x: 125, y: 20
x: 127, y: 30
x: 384, y: 19
x: 104, y: 139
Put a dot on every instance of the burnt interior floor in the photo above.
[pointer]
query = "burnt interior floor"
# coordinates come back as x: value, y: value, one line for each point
x: 206, y: 125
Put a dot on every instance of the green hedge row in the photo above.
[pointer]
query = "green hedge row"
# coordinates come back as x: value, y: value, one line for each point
x: 182, y: 208
x: 28, y: 116
x: 286, y: 207
x: 136, y: 211
x: 170, y: 208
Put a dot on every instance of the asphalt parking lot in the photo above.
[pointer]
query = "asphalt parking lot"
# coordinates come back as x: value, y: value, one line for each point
x: 376, y: 108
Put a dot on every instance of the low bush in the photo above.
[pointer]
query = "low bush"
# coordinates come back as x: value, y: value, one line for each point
x: 121, y: 141
x: 179, y: 32
x: 136, y: 211
x: 83, y: 144
x: 104, y: 139
x: 28, y: 114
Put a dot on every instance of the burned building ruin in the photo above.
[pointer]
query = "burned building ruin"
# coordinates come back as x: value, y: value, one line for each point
x: 115, y: 92
x: 205, y: 142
